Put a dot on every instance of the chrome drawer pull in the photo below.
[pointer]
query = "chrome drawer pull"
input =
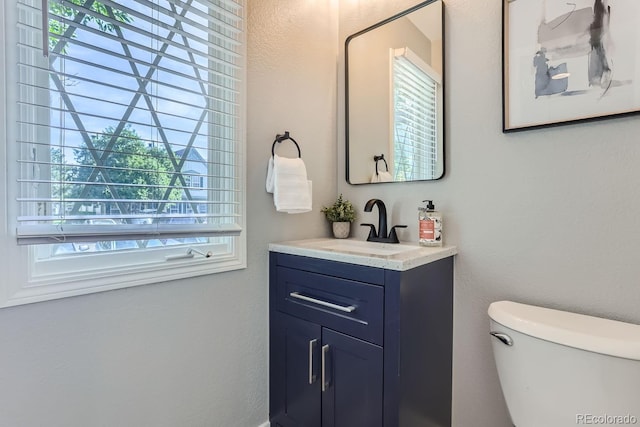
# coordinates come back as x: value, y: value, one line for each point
x: 349, y: 309
x: 325, y: 383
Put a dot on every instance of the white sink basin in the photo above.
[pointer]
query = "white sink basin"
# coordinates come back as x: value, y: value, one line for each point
x: 369, y: 248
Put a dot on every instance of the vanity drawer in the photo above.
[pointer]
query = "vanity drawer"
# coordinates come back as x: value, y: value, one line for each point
x: 347, y: 306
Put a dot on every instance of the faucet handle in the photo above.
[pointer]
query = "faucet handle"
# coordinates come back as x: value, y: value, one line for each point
x: 372, y: 231
x: 393, y: 237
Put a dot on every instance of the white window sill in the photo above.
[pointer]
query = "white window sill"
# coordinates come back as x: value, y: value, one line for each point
x: 43, y: 285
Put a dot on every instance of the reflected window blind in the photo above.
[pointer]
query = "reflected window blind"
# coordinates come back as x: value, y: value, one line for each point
x: 414, y: 119
x: 122, y: 106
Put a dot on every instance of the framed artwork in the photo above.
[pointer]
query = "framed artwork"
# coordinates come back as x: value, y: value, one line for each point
x: 569, y: 61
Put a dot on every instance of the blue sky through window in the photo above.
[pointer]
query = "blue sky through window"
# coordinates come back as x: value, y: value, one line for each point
x: 106, y: 90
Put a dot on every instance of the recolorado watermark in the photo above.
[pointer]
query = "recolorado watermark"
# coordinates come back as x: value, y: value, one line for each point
x: 605, y: 419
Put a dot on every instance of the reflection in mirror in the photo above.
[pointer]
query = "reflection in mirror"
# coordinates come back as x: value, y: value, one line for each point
x: 394, y: 98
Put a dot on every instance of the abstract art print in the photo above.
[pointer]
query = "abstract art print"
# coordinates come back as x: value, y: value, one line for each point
x: 567, y: 61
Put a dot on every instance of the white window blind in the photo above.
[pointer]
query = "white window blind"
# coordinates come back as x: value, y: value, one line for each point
x: 122, y: 106
x: 415, y: 123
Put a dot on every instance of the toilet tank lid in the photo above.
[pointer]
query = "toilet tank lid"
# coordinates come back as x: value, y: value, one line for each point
x: 588, y: 333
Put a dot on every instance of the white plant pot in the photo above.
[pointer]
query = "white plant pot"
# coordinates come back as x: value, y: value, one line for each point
x: 341, y: 229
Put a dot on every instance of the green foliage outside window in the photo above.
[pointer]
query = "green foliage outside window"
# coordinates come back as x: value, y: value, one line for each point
x: 58, y: 27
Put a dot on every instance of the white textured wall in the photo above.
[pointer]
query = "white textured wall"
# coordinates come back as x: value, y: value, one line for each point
x: 549, y: 217
x: 190, y: 353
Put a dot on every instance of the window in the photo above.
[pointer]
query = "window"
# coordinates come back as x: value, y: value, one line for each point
x: 196, y: 181
x: 416, y: 92
x: 125, y: 133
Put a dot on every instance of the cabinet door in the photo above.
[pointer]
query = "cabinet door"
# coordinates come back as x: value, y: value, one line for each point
x: 295, y: 369
x: 352, y: 392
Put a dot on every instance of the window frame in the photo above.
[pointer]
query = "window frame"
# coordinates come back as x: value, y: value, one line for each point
x: 27, y: 281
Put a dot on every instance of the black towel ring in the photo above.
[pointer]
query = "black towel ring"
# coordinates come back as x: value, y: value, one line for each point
x: 280, y: 138
x: 377, y: 159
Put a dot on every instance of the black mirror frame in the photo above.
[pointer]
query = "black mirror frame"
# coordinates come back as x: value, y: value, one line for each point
x: 346, y: 86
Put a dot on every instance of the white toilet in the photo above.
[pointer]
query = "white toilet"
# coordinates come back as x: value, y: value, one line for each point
x: 560, y: 369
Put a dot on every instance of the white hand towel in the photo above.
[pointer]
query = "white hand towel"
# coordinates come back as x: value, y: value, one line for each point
x: 287, y: 178
x: 269, y: 183
x: 381, y: 177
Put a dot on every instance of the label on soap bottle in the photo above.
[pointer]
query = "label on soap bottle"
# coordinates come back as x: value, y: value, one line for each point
x: 427, y: 229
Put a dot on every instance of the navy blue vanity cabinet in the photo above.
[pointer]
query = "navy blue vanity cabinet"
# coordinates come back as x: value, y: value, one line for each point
x: 296, y: 363
x: 358, y: 346
x: 351, y: 396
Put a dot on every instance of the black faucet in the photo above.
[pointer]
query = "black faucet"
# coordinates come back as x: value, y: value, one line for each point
x: 381, y: 235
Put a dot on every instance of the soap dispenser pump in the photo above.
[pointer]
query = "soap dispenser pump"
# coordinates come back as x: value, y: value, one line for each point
x: 429, y: 225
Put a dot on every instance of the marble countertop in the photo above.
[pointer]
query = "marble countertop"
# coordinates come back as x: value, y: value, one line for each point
x: 401, y: 257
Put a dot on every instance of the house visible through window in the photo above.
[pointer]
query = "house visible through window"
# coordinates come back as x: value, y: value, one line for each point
x: 128, y: 133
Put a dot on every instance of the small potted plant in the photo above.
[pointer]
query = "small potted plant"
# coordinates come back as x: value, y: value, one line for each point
x: 341, y: 214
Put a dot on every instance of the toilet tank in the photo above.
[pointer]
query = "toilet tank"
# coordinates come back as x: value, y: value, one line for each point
x: 560, y: 369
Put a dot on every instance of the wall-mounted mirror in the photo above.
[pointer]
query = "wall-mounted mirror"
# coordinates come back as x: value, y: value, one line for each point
x: 394, y: 98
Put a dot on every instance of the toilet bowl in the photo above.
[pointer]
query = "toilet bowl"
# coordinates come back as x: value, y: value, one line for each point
x: 561, y: 369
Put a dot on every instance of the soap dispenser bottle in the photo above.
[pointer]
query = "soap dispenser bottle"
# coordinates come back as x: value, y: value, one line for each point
x: 429, y: 225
